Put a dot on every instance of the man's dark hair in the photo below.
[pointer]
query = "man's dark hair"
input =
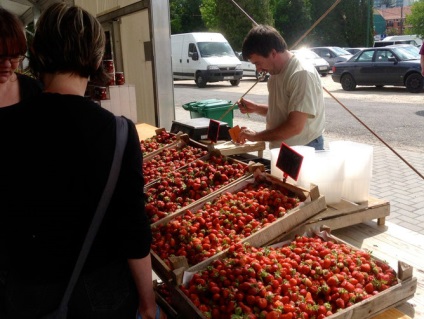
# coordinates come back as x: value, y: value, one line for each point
x: 261, y: 40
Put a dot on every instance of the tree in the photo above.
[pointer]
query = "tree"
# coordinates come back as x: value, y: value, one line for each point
x: 292, y: 19
x: 185, y: 16
x: 225, y: 17
x: 416, y: 19
x: 348, y: 24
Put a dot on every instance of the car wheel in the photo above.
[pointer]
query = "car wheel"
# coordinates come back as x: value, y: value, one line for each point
x: 414, y: 83
x: 235, y: 82
x: 348, y: 82
x: 200, y: 81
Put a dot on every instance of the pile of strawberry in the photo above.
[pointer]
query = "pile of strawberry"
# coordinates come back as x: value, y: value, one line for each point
x: 217, y: 225
x: 307, y: 278
x: 170, y: 159
x: 153, y: 143
x: 198, y: 179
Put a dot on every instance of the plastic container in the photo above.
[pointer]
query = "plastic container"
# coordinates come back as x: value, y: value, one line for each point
x: 275, y: 171
x: 306, y: 170
x: 212, y: 109
x: 327, y: 171
x: 358, y: 159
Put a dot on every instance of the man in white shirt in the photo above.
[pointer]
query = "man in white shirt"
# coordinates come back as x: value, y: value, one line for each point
x: 295, y: 112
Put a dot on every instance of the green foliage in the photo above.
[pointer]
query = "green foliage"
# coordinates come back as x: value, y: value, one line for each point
x: 208, y: 10
x: 185, y: 16
x: 292, y: 19
x: 225, y: 17
x: 416, y: 19
x: 349, y: 24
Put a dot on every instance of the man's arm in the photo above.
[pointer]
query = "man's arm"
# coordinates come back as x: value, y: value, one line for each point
x: 293, y: 126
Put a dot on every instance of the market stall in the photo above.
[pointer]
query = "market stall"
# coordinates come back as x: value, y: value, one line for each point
x: 311, y: 212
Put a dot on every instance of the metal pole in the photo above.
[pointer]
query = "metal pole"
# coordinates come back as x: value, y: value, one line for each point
x: 368, y: 22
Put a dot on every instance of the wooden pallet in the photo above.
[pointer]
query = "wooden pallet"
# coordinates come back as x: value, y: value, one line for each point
x: 346, y: 213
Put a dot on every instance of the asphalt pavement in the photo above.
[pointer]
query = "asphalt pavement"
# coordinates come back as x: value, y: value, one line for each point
x: 392, y: 179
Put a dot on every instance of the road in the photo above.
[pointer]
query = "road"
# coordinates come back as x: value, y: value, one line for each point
x: 394, y: 114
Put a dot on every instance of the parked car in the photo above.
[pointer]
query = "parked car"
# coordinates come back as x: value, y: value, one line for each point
x: 399, y: 39
x: 353, y: 50
x: 249, y: 69
x: 380, y: 66
x: 322, y: 66
x: 409, y: 47
x: 332, y: 54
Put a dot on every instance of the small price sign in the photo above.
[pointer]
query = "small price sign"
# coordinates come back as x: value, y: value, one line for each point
x: 289, y: 161
x: 213, y: 130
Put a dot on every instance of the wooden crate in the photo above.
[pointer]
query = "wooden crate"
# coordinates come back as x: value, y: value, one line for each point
x: 366, y: 309
x: 205, y: 158
x: 313, y: 203
x: 182, y: 141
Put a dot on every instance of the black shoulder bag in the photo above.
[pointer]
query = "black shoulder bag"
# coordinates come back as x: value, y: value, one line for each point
x: 121, y: 141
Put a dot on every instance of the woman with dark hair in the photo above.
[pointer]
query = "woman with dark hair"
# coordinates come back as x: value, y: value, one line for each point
x: 53, y: 167
x: 14, y: 87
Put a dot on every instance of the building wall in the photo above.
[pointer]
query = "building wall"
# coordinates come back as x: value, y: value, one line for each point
x: 142, y: 50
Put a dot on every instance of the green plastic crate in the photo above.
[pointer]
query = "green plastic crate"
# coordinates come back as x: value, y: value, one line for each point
x: 212, y: 109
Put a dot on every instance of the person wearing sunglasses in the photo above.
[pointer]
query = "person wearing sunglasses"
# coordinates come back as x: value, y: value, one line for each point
x: 14, y: 86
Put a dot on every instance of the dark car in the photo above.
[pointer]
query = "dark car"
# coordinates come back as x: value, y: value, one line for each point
x: 379, y: 67
x: 353, y: 50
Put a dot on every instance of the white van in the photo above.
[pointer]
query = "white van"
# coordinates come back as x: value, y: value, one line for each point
x: 399, y: 39
x: 204, y: 57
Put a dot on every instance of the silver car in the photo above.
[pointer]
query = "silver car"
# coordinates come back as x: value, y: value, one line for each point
x: 332, y: 54
x: 322, y: 66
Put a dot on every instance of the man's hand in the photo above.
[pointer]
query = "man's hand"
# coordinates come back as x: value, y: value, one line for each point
x: 246, y: 106
x: 247, y: 134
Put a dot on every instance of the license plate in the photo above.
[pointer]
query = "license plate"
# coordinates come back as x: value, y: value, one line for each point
x: 323, y: 68
x: 228, y: 77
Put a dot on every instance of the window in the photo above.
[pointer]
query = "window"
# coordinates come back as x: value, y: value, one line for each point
x: 366, y: 56
x: 191, y: 49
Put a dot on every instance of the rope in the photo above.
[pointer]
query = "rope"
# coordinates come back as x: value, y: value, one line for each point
x: 375, y: 134
x: 316, y: 22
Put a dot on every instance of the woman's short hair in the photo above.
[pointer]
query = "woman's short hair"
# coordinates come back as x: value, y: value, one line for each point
x: 261, y: 40
x: 68, y: 39
x: 12, y: 35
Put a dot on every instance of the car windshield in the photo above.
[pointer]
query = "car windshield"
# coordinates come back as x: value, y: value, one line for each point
x: 306, y: 54
x: 208, y: 49
x: 339, y: 51
x: 405, y: 54
x: 411, y: 49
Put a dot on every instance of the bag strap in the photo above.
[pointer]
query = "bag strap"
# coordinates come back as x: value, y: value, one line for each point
x: 121, y: 141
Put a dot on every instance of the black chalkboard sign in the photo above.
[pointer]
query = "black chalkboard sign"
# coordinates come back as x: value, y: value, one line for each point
x: 213, y: 130
x: 289, y: 161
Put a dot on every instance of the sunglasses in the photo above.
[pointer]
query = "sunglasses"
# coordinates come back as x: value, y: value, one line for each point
x: 12, y: 59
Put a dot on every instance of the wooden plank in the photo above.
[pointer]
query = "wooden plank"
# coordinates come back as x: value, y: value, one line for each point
x: 145, y: 130
x: 347, y: 213
x: 229, y: 148
x: 392, y: 314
